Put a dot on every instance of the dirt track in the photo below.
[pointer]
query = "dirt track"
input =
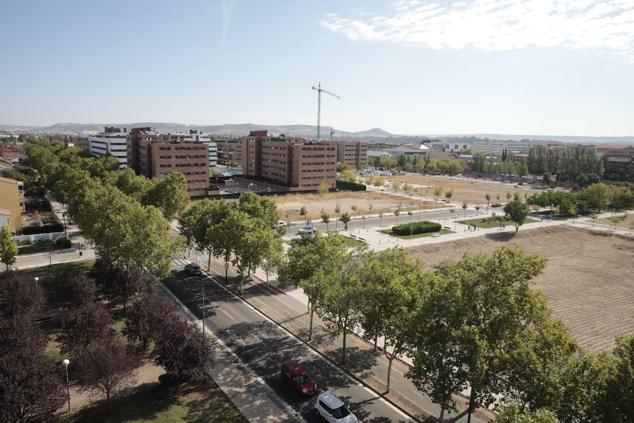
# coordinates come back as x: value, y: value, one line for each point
x: 589, y: 278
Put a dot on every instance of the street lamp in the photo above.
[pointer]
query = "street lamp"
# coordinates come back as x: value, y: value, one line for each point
x: 37, y: 281
x: 202, y: 288
x: 65, y: 363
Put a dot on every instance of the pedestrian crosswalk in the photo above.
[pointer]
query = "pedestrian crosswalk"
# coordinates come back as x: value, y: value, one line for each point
x: 180, y: 262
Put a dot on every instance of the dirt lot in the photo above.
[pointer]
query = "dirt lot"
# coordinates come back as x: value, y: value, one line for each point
x: 464, y: 190
x: 288, y: 206
x: 589, y: 279
x: 623, y: 221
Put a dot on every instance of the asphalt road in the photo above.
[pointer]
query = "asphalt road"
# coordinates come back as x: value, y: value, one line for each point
x: 264, y: 346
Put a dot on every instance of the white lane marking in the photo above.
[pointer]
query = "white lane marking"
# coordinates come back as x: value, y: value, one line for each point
x: 229, y: 314
x: 312, y: 351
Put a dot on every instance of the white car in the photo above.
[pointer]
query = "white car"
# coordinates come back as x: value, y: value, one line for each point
x: 333, y: 410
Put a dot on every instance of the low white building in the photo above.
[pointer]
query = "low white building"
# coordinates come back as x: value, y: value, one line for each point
x: 112, y: 141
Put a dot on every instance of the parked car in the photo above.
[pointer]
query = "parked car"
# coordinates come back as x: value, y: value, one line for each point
x: 296, y: 377
x: 193, y: 269
x: 496, y: 205
x: 333, y: 410
x: 280, y: 224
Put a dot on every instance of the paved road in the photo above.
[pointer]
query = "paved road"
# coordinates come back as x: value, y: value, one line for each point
x: 264, y: 346
x: 358, y: 223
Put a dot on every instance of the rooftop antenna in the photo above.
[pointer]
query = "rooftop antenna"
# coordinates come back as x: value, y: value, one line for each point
x: 319, y: 91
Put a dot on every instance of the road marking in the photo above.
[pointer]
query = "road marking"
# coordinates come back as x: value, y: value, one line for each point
x: 315, y: 353
x: 229, y: 314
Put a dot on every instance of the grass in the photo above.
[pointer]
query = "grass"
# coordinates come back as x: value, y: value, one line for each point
x: 443, y: 231
x: 351, y: 242
x: 484, y: 224
x: 156, y: 403
x: 47, y: 271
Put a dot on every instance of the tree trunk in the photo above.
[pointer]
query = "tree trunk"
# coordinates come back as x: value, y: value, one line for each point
x: 209, y: 262
x: 442, y: 414
x: 345, y: 333
x: 310, y: 327
x: 376, y: 341
x: 389, y: 373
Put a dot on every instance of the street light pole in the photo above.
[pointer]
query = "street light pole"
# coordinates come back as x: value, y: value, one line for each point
x: 202, y: 288
x: 65, y: 363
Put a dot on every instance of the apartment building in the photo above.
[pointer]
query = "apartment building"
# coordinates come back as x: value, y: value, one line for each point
x: 111, y: 141
x: 296, y: 163
x: 11, y: 203
x: 195, y: 136
x: 230, y: 152
x: 352, y: 153
x: 156, y: 155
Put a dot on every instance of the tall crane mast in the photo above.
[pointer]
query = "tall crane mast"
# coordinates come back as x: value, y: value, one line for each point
x: 319, y: 91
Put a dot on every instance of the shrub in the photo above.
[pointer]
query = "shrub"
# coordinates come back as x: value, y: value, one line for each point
x: 45, y: 229
x: 416, y: 228
x: 63, y: 243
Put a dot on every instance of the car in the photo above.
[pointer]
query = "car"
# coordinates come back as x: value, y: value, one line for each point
x: 496, y: 205
x: 333, y: 410
x: 193, y: 269
x: 296, y: 377
x: 281, y: 224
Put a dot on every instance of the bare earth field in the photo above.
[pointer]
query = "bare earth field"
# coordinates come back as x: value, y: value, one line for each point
x: 620, y: 221
x: 289, y: 205
x: 464, y: 190
x: 589, y: 278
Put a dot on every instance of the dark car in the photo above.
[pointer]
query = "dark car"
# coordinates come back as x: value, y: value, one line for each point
x: 296, y: 377
x: 193, y: 269
x: 496, y: 205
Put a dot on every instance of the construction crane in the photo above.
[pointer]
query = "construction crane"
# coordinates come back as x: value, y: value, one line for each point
x: 319, y: 91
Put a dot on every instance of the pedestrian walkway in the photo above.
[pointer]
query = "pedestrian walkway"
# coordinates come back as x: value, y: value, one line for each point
x: 248, y: 392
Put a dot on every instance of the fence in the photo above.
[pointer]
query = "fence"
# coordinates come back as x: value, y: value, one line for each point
x: 51, y: 236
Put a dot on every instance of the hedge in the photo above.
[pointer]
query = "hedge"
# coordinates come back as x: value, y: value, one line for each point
x: 45, y: 229
x: 416, y: 228
x: 350, y: 186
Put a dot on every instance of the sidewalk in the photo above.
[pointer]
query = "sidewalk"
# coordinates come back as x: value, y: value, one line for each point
x: 248, y: 392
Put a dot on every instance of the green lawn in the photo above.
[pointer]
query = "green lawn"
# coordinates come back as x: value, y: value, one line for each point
x: 484, y: 224
x: 156, y: 403
x: 443, y: 231
x: 351, y: 242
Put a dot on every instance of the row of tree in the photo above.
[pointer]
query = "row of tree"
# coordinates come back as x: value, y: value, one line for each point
x: 593, y: 198
x: 498, y: 166
x: 578, y: 164
x: 473, y: 324
x: 238, y: 232
x: 415, y: 163
x: 125, y: 216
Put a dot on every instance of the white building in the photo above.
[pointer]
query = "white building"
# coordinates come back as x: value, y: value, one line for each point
x: 205, y: 139
x: 113, y: 141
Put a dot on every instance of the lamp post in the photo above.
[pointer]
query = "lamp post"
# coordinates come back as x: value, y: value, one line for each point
x: 202, y: 289
x: 65, y: 363
x: 37, y: 281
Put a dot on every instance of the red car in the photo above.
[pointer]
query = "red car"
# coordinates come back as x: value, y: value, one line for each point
x: 297, y: 378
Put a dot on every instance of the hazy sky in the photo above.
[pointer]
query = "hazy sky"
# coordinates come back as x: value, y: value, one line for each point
x: 411, y: 66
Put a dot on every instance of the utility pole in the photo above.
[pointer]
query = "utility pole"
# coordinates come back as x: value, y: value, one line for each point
x: 319, y: 91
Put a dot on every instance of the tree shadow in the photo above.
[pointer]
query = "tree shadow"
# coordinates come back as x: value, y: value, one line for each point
x: 358, y: 361
x: 501, y: 236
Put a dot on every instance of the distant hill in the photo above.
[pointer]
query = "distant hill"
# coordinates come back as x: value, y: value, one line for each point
x: 374, y: 135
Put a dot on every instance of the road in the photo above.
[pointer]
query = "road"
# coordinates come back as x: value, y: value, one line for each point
x: 264, y: 346
x: 358, y: 223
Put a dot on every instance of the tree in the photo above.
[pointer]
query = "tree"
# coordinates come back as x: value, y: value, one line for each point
x: 464, y: 208
x: 437, y: 192
x: 512, y: 413
x: 306, y: 264
x: 144, y: 319
x: 620, y: 386
x: 448, y: 195
x: 185, y: 353
x: 84, y: 325
x: 78, y: 290
x: 19, y: 294
x: 169, y: 194
x: 303, y: 213
x: 119, y: 283
x: 259, y: 207
x: 105, y: 366
x: 391, y: 285
x: 323, y: 188
x: 340, y: 298
x: 345, y: 219
x: 8, y: 247
x: 517, y: 211
x: 325, y: 217
x: 272, y: 257
x: 488, y: 198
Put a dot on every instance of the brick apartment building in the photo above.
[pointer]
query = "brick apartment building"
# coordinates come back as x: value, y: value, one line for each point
x: 156, y: 155
x: 230, y: 152
x: 296, y: 163
x: 352, y: 153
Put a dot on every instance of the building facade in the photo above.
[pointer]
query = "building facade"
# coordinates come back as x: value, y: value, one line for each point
x: 229, y: 152
x: 351, y: 153
x: 195, y: 136
x: 12, y: 202
x: 113, y: 141
x: 156, y: 155
x: 295, y: 163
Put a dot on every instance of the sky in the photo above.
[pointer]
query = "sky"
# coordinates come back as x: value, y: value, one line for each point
x: 535, y: 67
